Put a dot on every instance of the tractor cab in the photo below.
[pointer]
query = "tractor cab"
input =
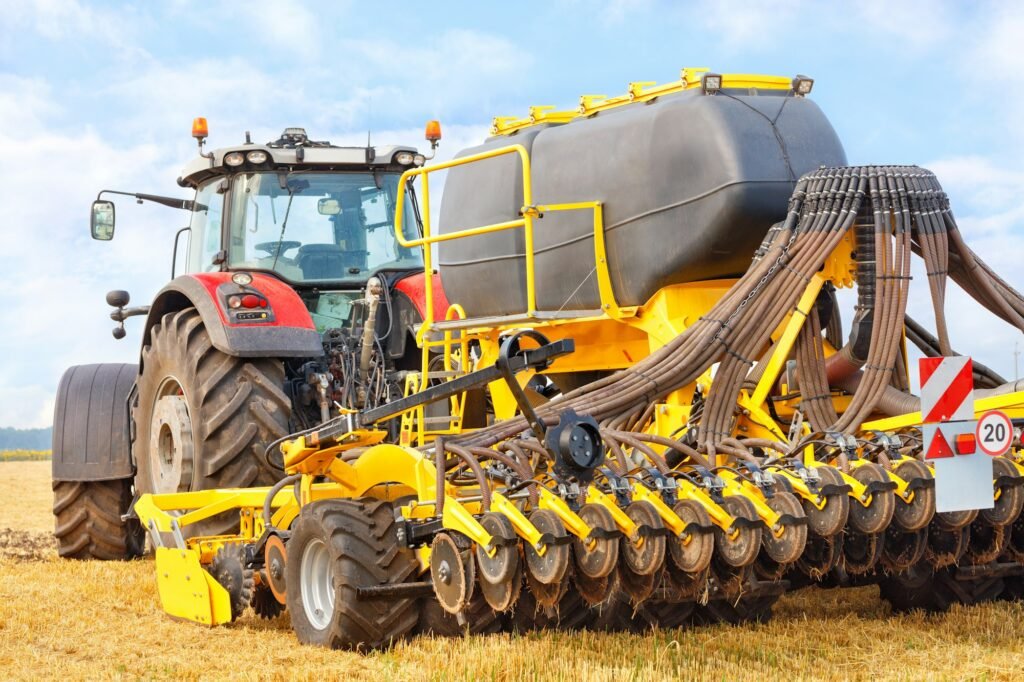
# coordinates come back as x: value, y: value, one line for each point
x: 318, y: 216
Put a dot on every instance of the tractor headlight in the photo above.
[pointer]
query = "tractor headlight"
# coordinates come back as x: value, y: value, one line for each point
x: 419, y: 159
x: 404, y: 158
x: 234, y: 159
x: 256, y: 157
x: 242, y: 279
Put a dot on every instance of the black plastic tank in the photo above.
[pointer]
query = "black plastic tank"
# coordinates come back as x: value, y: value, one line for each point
x: 690, y: 184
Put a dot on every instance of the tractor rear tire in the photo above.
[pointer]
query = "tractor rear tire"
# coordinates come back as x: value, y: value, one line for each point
x: 337, y: 547
x: 87, y: 520
x: 204, y: 418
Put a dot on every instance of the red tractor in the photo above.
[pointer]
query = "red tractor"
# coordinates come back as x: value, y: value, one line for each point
x: 295, y: 298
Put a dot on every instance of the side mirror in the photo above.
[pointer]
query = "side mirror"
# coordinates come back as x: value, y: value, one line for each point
x: 101, y: 220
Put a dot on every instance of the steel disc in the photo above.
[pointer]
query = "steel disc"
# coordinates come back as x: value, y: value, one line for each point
x: 694, y: 555
x: 946, y: 547
x: 596, y: 559
x: 918, y: 513
x: 275, y: 558
x: 730, y: 582
x: 861, y: 552
x: 877, y: 514
x: 986, y: 543
x: 592, y: 590
x: 550, y: 568
x: 637, y: 587
x: 831, y: 518
x: 502, y: 596
x: 955, y: 520
x: 498, y: 569
x: 821, y: 555
x: 740, y: 550
x: 786, y: 548
x: 449, y: 574
x: 902, y: 550
x: 647, y: 557
x: 1011, y: 498
x: 546, y: 595
x: 688, y: 586
x: 1015, y: 545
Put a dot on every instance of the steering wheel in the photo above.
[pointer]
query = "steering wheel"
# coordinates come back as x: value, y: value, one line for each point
x: 277, y: 248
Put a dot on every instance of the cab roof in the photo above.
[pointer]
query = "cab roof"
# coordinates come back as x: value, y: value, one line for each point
x: 293, y: 151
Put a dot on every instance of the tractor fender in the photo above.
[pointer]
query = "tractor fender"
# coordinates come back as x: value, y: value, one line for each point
x: 90, y: 423
x: 280, y: 326
x: 414, y: 287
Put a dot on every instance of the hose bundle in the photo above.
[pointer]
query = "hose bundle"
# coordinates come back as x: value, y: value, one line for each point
x: 896, y: 211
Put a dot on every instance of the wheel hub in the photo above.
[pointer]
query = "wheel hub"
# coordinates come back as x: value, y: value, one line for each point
x: 317, y: 584
x: 171, y: 446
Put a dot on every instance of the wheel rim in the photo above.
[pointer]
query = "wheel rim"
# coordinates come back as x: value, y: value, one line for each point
x: 317, y: 584
x: 171, y: 445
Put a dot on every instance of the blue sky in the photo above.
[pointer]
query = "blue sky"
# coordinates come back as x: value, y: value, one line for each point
x: 101, y: 95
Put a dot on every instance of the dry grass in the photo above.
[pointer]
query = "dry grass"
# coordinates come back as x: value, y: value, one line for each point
x: 102, y: 620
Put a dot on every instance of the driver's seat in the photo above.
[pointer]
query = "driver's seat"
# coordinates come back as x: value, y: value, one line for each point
x: 321, y: 261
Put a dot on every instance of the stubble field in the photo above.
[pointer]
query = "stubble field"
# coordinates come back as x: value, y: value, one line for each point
x: 93, y: 620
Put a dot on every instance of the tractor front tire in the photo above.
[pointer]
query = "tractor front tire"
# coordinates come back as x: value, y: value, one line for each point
x: 204, y: 418
x: 336, y: 548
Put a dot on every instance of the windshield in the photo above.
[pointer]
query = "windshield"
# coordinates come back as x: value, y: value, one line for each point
x: 319, y: 227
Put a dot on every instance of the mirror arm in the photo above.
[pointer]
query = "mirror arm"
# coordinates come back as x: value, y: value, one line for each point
x: 172, y: 202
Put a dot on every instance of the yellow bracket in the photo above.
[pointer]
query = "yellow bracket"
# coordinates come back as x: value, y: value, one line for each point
x: 524, y: 529
x: 737, y: 485
x: 187, y: 591
x: 721, y: 518
x: 622, y: 520
x: 669, y: 517
x: 858, y: 491
x: 572, y: 521
x: 800, y: 488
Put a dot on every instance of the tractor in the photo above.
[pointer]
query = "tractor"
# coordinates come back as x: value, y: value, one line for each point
x: 294, y: 298
x: 633, y: 403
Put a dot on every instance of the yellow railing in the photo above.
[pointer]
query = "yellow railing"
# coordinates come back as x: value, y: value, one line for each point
x: 527, y: 215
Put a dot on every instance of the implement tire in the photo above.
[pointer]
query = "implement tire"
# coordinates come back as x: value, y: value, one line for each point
x: 204, y: 418
x: 337, y: 547
x: 87, y: 520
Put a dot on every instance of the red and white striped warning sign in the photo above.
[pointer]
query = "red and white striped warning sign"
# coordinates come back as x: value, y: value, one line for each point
x: 947, y: 389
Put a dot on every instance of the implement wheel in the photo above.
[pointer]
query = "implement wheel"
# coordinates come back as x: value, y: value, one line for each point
x: 336, y: 548
x: 204, y: 418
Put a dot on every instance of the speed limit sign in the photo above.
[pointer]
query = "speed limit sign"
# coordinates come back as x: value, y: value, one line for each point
x: 994, y: 433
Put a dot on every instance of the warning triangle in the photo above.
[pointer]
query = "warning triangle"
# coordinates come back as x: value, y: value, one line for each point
x: 939, y: 447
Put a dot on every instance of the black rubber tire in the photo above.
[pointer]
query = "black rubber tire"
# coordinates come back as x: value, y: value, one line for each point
x: 480, y: 618
x: 87, y: 520
x: 236, y: 406
x: 935, y: 592
x: 362, y: 541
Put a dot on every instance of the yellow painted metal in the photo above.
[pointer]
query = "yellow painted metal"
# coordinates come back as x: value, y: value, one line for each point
x: 1010, y: 403
x: 570, y: 519
x: 187, y: 591
x: 429, y: 239
x: 671, y: 520
x: 792, y: 326
x: 622, y: 520
x: 524, y: 529
x: 736, y: 485
x: 638, y: 91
